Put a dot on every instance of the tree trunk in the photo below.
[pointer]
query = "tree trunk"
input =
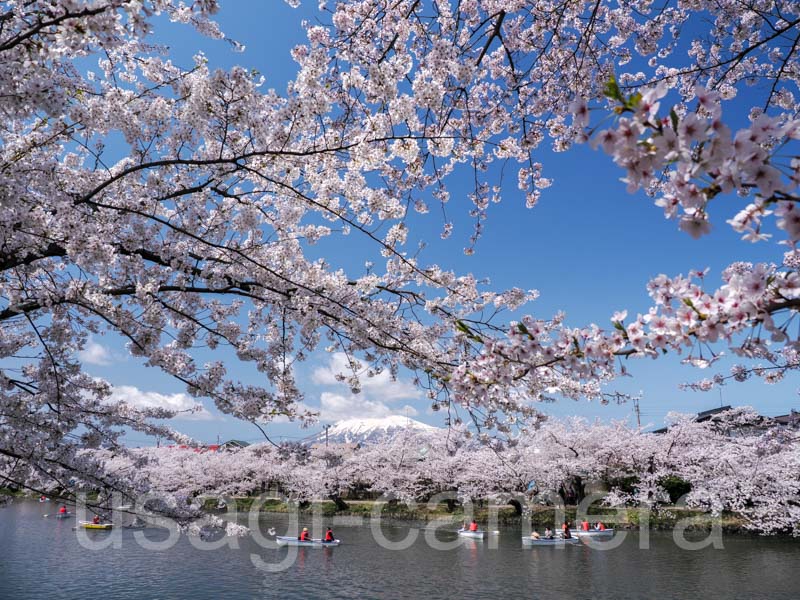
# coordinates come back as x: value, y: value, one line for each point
x: 337, y: 500
x: 572, y: 490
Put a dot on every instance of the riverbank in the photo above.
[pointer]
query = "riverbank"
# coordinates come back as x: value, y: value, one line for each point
x: 537, y: 516
x: 665, y: 518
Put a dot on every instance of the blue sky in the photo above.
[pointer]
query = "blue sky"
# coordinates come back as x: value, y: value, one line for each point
x: 589, y: 247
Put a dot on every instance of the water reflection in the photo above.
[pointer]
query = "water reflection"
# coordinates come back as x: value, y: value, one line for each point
x: 41, y: 558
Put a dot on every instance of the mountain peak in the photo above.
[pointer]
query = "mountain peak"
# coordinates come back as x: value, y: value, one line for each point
x: 372, y: 429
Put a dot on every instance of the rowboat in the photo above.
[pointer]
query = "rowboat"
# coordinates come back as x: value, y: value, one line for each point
x: 90, y: 525
x: 472, y: 534
x: 593, y: 533
x: 529, y: 541
x: 288, y: 540
x: 64, y: 515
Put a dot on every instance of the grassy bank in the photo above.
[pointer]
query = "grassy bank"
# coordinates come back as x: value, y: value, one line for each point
x: 538, y: 516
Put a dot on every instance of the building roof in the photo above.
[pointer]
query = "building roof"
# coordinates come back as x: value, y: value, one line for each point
x: 234, y: 443
x: 705, y: 415
x: 790, y: 420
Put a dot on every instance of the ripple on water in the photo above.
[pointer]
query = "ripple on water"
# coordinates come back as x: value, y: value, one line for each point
x: 41, y: 558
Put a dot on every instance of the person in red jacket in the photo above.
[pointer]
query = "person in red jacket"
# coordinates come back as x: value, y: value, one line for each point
x: 600, y: 526
x: 62, y: 510
x: 96, y: 519
x: 329, y: 536
x: 304, y: 535
x: 565, y: 531
x: 585, y: 525
x: 473, y: 526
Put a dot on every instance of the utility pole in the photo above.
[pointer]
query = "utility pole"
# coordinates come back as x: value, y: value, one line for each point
x: 638, y: 413
x: 326, y: 435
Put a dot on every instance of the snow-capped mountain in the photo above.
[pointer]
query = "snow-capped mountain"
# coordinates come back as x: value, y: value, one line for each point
x: 367, y: 431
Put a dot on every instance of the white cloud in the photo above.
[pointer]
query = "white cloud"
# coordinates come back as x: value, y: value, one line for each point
x: 96, y: 354
x: 177, y: 402
x: 377, y: 397
x: 339, y: 407
x: 379, y: 386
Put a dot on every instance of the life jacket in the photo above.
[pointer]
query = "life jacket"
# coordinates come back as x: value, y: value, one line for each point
x: 601, y: 527
x: 62, y: 510
x: 304, y: 537
x: 585, y: 526
x: 329, y: 536
x: 473, y: 526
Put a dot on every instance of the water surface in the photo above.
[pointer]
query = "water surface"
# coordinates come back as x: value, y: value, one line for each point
x: 42, y: 558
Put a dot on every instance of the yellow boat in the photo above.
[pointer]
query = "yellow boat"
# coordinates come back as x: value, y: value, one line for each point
x: 90, y: 525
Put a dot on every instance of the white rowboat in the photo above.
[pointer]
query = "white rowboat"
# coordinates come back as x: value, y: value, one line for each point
x: 288, y: 540
x: 593, y: 533
x: 529, y: 541
x: 472, y: 534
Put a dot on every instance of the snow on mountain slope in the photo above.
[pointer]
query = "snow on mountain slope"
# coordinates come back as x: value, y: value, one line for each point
x: 371, y: 430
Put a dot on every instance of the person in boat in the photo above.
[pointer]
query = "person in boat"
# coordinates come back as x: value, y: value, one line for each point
x: 62, y: 510
x: 600, y: 526
x: 96, y: 520
x: 535, y: 535
x: 304, y: 535
x: 565, y: 531
x: 42, y: 498
x: 584, y: 525
x: 548, y: 533
x: 473, y: 526
x: 329, y: 536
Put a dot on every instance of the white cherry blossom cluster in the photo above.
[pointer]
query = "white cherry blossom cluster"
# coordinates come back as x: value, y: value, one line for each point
x: 687, y: 161
x: 177, y: 205
x: 737, y: 461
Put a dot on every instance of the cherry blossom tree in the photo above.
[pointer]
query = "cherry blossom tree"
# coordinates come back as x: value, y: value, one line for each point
x: 176, y: 206
x: 487, y: 82
x: 737, y: 462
